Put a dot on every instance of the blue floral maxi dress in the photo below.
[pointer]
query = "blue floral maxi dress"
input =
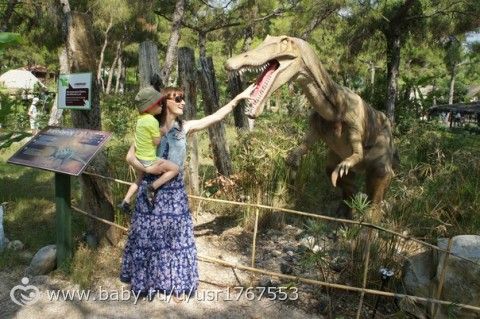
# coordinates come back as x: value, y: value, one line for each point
x: 160, y: 253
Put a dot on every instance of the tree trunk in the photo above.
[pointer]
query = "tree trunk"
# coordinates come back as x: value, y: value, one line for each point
x: 118, y: 76
x: 123, y: 77
x: 112, y: 69
x: 102, y: 56
x: 188, y: 80
x: 235, y: 87
x: 96, y: 192
x: 171, y: 54
x: 452, y: 85
x: 55, y: 112
x: 148, y: 67
x: 216, y: 132
x: 393, y: 64
x: 8, y: 15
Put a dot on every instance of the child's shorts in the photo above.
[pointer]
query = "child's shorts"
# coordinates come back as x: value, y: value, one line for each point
x: 147, y: 163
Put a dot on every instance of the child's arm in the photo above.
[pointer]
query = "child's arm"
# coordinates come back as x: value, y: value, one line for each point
x: 160, y: 167
x: 156, y: 140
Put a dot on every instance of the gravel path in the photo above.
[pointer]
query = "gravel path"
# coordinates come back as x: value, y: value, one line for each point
x: 211, y: 300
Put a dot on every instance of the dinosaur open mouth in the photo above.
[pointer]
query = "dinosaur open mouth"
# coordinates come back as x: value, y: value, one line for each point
x: 262, y: 84
x: 263, y: 81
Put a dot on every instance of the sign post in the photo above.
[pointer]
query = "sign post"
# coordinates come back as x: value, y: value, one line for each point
x: 65, y: 151
x: 63, y: 222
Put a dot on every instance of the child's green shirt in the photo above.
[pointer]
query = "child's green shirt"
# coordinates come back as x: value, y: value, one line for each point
x: 146, y: 130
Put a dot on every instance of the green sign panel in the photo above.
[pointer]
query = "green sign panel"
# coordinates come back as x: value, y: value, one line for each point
x: 75, y: 91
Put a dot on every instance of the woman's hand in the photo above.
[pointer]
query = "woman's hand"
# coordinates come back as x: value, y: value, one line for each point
x: 245, y: 94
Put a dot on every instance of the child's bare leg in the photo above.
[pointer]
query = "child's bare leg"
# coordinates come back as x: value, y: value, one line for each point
x: 165, y: 177
x: 169, y: 169
x: 134, y: 187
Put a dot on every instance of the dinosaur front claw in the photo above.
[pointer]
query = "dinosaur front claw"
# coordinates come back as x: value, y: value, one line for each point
x: 340, y: 171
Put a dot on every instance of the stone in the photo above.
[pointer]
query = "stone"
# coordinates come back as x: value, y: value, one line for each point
x: 287, y: 248
x: 301, y: 249
x: 44, y: 261
x: 418, y: 274
x: 462, y: 278
x: 338, y: 263
x: 15, y: 245
x: 286, y: 268
x: 308, y: 242
x: 316, y: 249
x: 422, y: 275
x: 265, y: 282
x: 276, y: 253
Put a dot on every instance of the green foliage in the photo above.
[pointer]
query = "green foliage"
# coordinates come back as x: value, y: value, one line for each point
x: 9, y: 39
x: 436, y: 192
x: 119, y: 114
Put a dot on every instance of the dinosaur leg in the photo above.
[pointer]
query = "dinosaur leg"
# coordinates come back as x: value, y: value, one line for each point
x: 379, y: 173
x: 377, y: 183
x: 346, y: 184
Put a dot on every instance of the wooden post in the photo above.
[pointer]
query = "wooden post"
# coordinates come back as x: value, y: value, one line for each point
x: 148, y: 66
x: 63, y: 218
x: 365, y: 272
x: 216, y: 132
x: 442, y: 277
x: 255, y: 229
x: 188, y: 80
x: 235, y: 87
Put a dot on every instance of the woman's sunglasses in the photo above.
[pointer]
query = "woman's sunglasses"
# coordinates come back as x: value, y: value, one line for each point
x: 178, y: 98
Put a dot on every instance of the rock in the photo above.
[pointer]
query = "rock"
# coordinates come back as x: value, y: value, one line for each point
x: 287, y: 248
x: 338, y: 263
x: 290, y: 253
x: 276, y: 253
x: 462, y: 278
x: 301, y: 249
x: 286, y: 268
x: 308, y: 242
x: 90, y: 239
x: 418, y: 274
x: 44, y: 261
x: 15, y: 245
x: 265, y: 282
x: 316, y: 248
x: 422, y: 275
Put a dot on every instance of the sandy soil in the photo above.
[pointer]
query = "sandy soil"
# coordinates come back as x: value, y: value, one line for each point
x: 211, y: 301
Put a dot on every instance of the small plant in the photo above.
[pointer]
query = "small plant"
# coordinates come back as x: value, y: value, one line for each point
x: 359, y: 203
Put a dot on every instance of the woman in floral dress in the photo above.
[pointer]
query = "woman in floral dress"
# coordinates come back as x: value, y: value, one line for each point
x: 160, y: 254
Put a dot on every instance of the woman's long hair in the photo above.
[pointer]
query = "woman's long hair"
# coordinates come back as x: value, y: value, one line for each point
x: 169, y: 93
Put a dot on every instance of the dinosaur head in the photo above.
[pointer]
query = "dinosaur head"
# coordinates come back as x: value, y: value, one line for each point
x: 277, y: 58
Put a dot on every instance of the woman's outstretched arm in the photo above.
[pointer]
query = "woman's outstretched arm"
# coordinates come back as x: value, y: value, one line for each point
x: 196, y: 125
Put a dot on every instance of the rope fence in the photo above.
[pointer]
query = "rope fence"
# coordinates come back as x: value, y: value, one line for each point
x: 362, y: 291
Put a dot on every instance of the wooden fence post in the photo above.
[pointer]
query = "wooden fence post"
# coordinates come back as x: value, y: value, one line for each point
x: 216, y: 132
x: 188, y: 79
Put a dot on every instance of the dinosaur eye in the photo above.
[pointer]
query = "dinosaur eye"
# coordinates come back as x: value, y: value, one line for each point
x: 284, y: 44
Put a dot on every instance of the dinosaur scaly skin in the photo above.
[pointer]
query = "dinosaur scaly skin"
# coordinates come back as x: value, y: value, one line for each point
x: 359, y: 137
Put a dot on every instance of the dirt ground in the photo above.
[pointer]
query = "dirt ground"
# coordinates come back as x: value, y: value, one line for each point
x: 217, y: 296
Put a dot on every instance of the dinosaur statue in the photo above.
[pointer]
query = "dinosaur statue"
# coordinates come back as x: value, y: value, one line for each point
x: 359, y: 137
